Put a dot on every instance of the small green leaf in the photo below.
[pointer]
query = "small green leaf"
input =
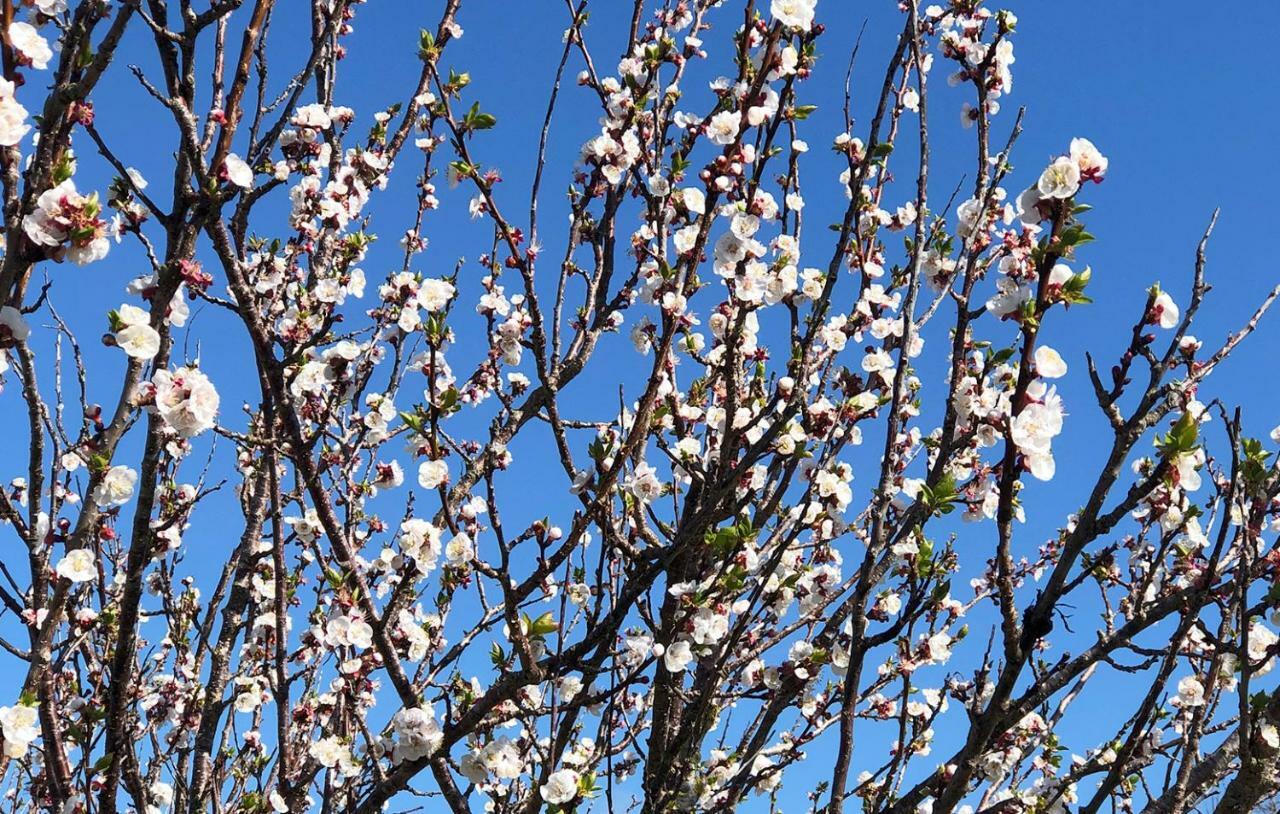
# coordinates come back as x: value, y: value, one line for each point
x: 543, y: 625
x: 426, y: 46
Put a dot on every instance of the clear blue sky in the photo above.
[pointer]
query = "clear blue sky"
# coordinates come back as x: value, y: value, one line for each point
x: 1178, y: 97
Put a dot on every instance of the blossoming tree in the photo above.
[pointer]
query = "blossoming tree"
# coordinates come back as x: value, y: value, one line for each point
x: 708, y: 596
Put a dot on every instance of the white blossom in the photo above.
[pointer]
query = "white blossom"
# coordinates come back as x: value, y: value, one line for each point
x: 20, y: 725
x: 238, y: 172
x: 1049, y: 363
x: 134, y: 334
x: 186, y: 400
x: 1190, y: 692
x: 1166, y: 311
x: 723, y: 127
x: 12, y: 324
x: 561, y: 787
x: 32, y: 48
x: 1060, y: 179
x: 677, y: 655
x: 431, y: 474
x: 79, y: 565
x: 417, y: 733
x: 13, y: 116
x: 116, y: 487
x: 794, y: 13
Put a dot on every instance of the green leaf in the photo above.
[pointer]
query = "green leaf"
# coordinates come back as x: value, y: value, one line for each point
x: 413, y: 421
x: 1074, y: 235
x: 1182, y: 439
x: 942, y: 494
x: 723, y: 541
x: 426, y: 46
x: 458, y: 81
x: 84, y: 58
x: 64, y: 169
x: 476, y: 119
x: 1073, y: 288
x: 543, y: 625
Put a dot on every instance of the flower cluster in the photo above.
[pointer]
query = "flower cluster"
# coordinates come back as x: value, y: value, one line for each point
x: 754, y: 556
x: 185, y: 399
x: 68, y: 224
x: 20, y: 726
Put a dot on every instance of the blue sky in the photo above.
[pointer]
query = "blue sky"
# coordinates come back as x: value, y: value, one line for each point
x: 1186, y: 118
